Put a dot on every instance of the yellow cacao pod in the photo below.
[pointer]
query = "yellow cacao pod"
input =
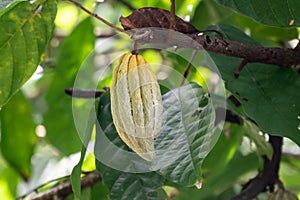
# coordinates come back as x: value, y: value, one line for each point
x: 136, y: 104
x: 282, y: 194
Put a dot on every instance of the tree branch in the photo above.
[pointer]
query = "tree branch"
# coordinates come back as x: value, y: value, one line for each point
x: 277, y: 56
x: 86, y: 94
x: 284, y: 57
x: 159, y: 18
x: 65, y: 189
x: 267, y: 178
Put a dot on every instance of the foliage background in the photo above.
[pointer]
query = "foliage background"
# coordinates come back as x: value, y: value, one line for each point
x: 39, y: 142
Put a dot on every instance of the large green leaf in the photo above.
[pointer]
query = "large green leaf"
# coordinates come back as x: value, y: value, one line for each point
x: 224, y: 160
x: 76, y: 172
x: 25, y: 30
x: 220, y: 180
x: 9, y: 180
x: 99, y: 190
x: 269, y: 94
x: 212, y: 13
x: 224, y: 150
x: 187, y: 135
x: 275, y: 13
x: 18, y: 136
x: 122, y: 185
x: 61, y: 131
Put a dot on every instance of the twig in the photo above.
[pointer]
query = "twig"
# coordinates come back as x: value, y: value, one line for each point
x: 95, y: 15
x: 65, y: 189
x: 87, y: 94
x: 187, y: 68
x: 268, y: 177
x: 172, y: 15
x: 229, y: 116
x: 240, y: 67
x: 43, y: 185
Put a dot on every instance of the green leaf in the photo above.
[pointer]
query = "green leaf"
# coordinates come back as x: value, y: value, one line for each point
x: 269, y: 94
x: 290, y: 172
x: 99, y: 190
x: 221, y: 180
x: 212, y: 13
x: 76, y: 175
x: 122, y: 185
x: 25, y: 30
x: 187, y: 135
x: 76, y: 172
x: 18, y: 136
x: 9, y: 180
x: 224, y: 149
x: 61, y: 131
x: 273, y: 13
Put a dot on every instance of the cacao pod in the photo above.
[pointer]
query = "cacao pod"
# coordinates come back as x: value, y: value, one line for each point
x: 136, y: 104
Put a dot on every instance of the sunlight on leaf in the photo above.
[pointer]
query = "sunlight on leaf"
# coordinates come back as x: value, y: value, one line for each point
x: 25, y: 32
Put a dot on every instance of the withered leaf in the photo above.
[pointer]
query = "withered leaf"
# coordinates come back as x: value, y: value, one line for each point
x: 155, y: 17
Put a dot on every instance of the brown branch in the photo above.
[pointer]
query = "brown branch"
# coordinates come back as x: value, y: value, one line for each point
x: 268, y: 177
x: 229, y: 117
x: 284, y: 57
x: 65, y: 189
x: 152, y: 17
x: 172, y: 15
x: 187, y: 68
x: 240, y: 67
x: 86, y: 94
x: 277, y: 56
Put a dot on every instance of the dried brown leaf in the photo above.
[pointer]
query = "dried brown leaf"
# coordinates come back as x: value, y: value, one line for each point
x: 155, y: 17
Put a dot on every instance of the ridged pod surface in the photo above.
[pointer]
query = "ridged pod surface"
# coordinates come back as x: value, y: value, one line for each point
x: 136, y: 104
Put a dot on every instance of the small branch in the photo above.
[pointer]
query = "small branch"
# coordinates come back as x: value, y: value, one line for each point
x: 86, y: 94
x: 268, y: 177
x: 65, y: 189
x: 277, y: 56
x: 235, y: 101
x: 229, y: 117
x: 95, y: 15
x: 172, y: 15
x: 240, y: 68
x: 187, y: 68
x: 60, y: 179
x: 284, y: 57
